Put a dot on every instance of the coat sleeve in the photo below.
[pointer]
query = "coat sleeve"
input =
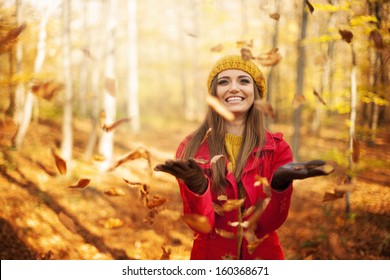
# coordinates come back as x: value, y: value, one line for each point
x: 276, y: 212
x: 194, y: 203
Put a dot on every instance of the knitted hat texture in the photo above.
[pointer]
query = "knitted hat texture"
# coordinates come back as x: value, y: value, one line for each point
x: 236, y: 62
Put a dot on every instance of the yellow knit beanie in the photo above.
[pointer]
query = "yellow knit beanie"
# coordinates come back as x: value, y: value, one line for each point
x: 236, y: 62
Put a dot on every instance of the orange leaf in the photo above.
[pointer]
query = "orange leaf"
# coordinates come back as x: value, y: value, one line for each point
x: 346, y: 35
x: 155, y: 202
x: 246, y: 54
x: 333, y: 196
x: 275, y: 16
x: 110, y: 85
x: 60, y: 162
x: 270, y: 58
x: 114, y: 192
x: 261, y: 181
x: 319, y: 97
x: 218, y: 107
x: 232, y: 204
x: 109, y: 128
x: 215, y: 159
x: 206, y: 135
x: 265, y: 107
x: 137, y: 154
x: 299, y: 99
x: 217, y: 48
x: 81, y: 184
x: 310, y: 6
x: 166, y: 255
x: 67, y: 222
x: 197, y: 222
x: 225, y: 234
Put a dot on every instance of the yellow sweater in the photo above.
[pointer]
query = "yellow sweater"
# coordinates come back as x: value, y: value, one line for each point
x: 233, y: 145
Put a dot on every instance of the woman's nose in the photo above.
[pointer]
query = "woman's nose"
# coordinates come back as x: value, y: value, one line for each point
x: 234, y: 87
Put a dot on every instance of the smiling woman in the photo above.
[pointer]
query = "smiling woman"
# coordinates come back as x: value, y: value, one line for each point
x: 235, y: 177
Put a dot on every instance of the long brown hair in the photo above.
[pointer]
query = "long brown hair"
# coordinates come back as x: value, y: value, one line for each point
x: 254, y: 135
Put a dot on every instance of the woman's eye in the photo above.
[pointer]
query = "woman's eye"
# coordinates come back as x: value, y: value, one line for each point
x: 222, y: 82
x: 245, y: 81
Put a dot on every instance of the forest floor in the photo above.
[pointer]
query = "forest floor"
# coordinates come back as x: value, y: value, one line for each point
x: 42, y: 218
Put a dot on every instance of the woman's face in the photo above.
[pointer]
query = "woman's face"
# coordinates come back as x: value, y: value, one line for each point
x: 235, y: 89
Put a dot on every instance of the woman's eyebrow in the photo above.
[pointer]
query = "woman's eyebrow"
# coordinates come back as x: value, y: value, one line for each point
x: 229, y: 77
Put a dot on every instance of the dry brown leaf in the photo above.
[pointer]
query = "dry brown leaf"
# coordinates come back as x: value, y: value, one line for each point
x: 275, y: 16
x: 46, y: 90
x: 67, y: 222
x: 346, y: 35
x: 261, y: 181
x: 225, y: 234
x: 114, y: 192
x: 253, y: 241
x: 60, y: 162
x: 299, y: 99
x: 218, y: 209
x: 155, y: 202
x: 310, y: 6
x: 335, y: 244
x: 139, y: 153
x: 215, y: 159
x: 246, y: 53
x: 166, y: 254
x: 12, y: 35
x: 218, y: 107
x: 217, y: 48
x: 265, y: 107
x: 270, y: 58
x: 111, y: 127
x: 319, y: 97
x: 222, y: 197
x: 333, y: 196
x: 232, y: 204
x: 249, y: 211
x: 201, y: 160
x: 81, y: 184
x: 206, y: 136
x: 111, y: 223
x: 197, y: 222
x: 150, y: 217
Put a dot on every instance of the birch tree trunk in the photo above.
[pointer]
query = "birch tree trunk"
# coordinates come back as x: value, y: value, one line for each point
x: 31, y: 98
x: 299, y: 87
x: 133, y: 103
x: 106, y: 144
x: 67, y: 130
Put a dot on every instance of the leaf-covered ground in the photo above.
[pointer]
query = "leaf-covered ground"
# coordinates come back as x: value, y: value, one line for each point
x: 41, y: 217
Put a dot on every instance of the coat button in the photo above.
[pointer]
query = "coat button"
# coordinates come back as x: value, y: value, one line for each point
x: 212, y: 236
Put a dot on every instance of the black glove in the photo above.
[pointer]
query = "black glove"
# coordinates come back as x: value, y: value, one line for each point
x: 186, y: 170
x: 285, y: 174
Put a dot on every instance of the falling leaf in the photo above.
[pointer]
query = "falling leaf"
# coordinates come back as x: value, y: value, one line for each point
x: 270, y: 58
x: 166, y: 255
x: 110, y: 85
x: 112, y: 223
x: 249, y: 211
x: 218, y: 107
x: 377, y: 38
x: 346, y: 35
x: 299, y: 99
x: 150, y: 217
x: 114, y: 192
x: 217, y: 48
x: 155, y: 202
x: 319, y: 97
x: 137, y: 154
x: 246, y: 54
x: 253, y: 241
x: 310, y: 6
x: 261, y: 181
x: 60, y: 162
x: 109, y: 128
x: 222, y: 197
x: 215, y: 159
x: 67, y: 222
x: 355, y: 150
x: 48, y: 171
x: 330, y: 196
x: 232, y: 204
x: 87, y: 53
x: 192, y: 34
x: 335, y: 244
x: 275, y: 16
x: 201, y: 160
x: 265, y: 107
x: 46, y: 90
x: 206, y: 135
x: 225, y: 234
x: 197, y: 222
x: 81, y: 184
x: 218, y: 209
x: 12, y: 35
x: 99, y: 158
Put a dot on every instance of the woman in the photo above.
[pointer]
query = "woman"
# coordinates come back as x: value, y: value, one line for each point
x: 223, y: 173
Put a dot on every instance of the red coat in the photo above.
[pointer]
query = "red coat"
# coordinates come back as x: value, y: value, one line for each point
x: 274, y: 153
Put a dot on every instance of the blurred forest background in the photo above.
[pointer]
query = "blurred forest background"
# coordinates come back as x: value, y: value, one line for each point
x: 94, y: 93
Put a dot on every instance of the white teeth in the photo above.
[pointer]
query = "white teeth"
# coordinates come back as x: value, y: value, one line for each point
x: 234, y: 98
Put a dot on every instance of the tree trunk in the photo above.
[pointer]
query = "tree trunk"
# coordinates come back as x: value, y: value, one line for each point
x: 31, y: 99
x: 67, y: 127
x: 106, y: 145
x: 133, y: 103
x: 299, y: 89
x: 20, y: 90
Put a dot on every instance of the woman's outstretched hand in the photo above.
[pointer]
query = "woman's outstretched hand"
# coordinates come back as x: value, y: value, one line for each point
x: 187, y: 171
x: 285, y: 174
